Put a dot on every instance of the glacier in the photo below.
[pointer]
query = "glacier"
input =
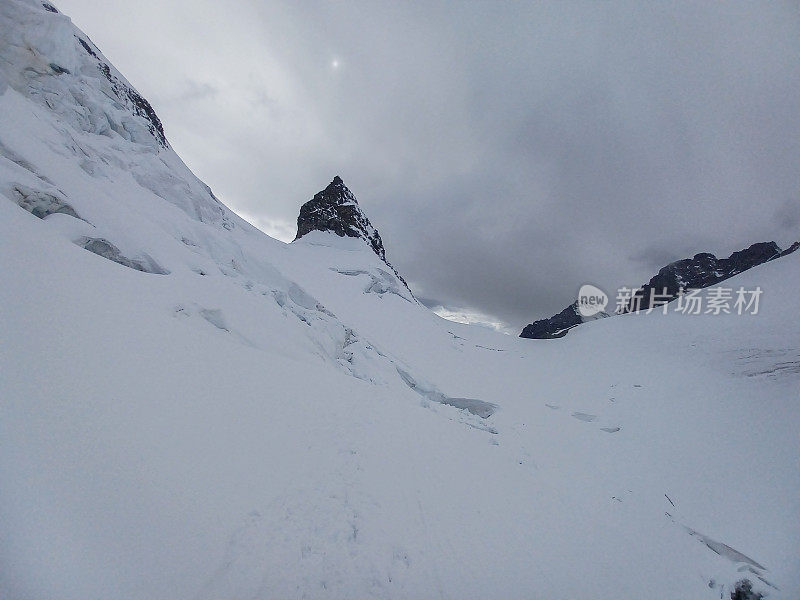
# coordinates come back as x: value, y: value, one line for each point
x: 192, y: 409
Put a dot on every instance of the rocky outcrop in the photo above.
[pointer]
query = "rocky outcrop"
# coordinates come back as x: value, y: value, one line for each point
x: 744, y: 591
x: 336, y: 209
x: 700, y: 271
x: 556, y: 326
x: 791, y: 249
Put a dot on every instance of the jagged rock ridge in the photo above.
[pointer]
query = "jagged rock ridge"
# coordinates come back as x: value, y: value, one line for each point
x: 336, y: 209
x: 558, y: 325
x: 702, y: 270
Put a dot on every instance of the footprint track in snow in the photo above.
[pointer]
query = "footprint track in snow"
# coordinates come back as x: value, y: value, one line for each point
x: 587, y: 418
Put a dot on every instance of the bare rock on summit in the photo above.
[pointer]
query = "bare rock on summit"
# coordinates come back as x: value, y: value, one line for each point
x: 336, y: 209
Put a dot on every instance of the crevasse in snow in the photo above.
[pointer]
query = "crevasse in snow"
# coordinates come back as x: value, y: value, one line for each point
x: 244, y: 418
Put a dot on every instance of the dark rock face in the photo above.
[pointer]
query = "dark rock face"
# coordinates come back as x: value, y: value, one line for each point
x: 791, y: 249
x: 88, y: 48
x: 702, y: 270
x: 554, y: 327
x: 336, y: 209
x: 744, y: 591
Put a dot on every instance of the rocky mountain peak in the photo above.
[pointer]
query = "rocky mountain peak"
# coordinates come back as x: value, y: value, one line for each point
x: 336, y: 209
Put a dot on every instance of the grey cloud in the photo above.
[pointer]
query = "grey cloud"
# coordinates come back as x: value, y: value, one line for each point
x: 507, y: 152
x: 194, y: 91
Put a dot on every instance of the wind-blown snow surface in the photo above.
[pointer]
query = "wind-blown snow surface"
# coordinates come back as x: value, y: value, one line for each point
x: 195, y: 410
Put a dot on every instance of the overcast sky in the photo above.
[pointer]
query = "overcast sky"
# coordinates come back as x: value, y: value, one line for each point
x: 507, y: 153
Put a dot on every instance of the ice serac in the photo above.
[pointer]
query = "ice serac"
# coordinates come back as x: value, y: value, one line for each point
x: 62, y: 96
x: 64, y: 71
x: 192, y: 409
x: 336, y: 209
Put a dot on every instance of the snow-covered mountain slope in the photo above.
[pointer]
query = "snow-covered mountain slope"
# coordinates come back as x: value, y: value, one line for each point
x: 191, y: 409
